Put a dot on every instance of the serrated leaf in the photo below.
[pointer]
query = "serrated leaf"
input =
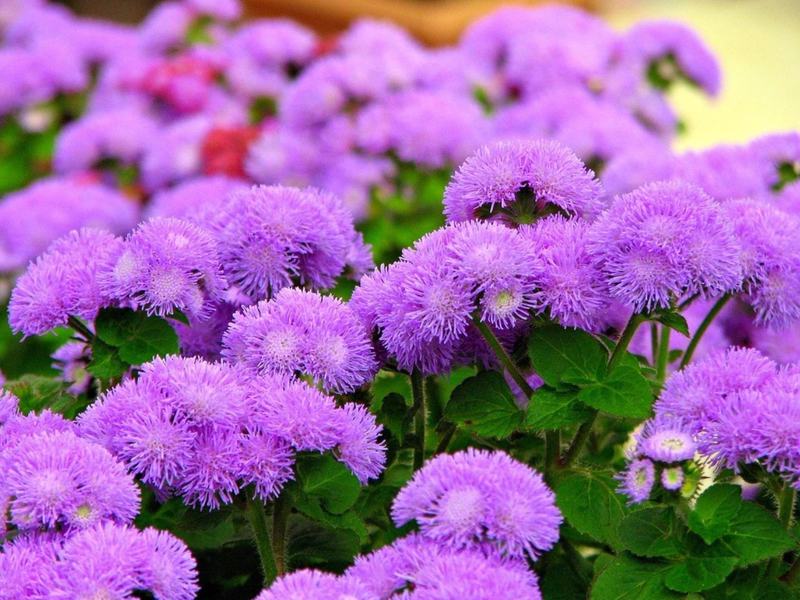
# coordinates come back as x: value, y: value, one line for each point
x: 312, y: 507
x: 484, y: 404
x: 106, y: 363
x: 550, y: 409
x: 714, y: 510
x: 322, y: 476
x: 652, y: 532
x: 36, y: 392
x: 702, y: 567
x: 623, y: 393
x: 591, y: 505
x: 313, y: 544
x: 673, y: 320
x: 627, y: 578
x: 138, y: 337
x: 566, y: 355
x: 755, y: 534
x: 750, y: 584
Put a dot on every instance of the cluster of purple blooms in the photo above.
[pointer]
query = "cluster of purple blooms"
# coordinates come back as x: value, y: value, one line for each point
x: 480, y: 514
x: 217, y: 178
x: 67, y: 509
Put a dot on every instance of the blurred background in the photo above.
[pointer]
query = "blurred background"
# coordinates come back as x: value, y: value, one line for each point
x: 757, y: 42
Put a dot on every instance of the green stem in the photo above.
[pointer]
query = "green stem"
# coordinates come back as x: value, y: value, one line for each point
x: 418, y: 393
x: 698, y: 335
x: 258, y: 523
x: 280, y: 521
x: 501, y: 354
x: 447, y: 437
x: 552, y: 449
x: 585, y: 429
x: 79, y: 327
x: 785, y: 499
x: 662, y: 361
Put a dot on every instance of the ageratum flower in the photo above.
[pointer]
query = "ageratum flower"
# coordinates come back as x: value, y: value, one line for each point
x: 315, y: 585
x: 71, y: 360
x: 186, y: 427
x: 63, y: 282
x: 118, y: 135
x: 476, y: 497
x: 311, y: 421
x: 770, y: 259
x: 302, y: 332
x: 726, y: 172
x: 167, y: 265
x: 422, y: 305
x: 174, y: 155
x: 519, y: 181
x: 25, y: 565
x: 435, y: 571
x: 672, y: 478
x: 665, y: 440
x: 203, y: 337
x: 663, y: 241
x: 569, y: 286
x: 34, y: 217
x: 115, y: 562
x: 194, y: 198
x: 637, y: 480
x: 59, y: 481
x: 272, y: 237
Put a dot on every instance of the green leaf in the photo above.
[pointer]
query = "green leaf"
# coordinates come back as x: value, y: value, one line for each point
x: 484, y: 404
x: 36, y: 392
x: 312, y: 544
x: 750, y: 584
x: 566, y: 355
x: 714, y: 510
x: 138, y: 337
x: 395, y: 416
x: 549, y: 409
x: 673, y: 320
x: 702, y: 567
x: 322, y: 476
x: 312, y: 507
x: 652, y: 532
x: 627, y: 578
x: 624, y: 393
x: 590, y: 504
x: 755, y: 534
x: 106, y: 363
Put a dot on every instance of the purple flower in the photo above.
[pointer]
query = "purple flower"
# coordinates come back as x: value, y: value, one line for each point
x: 477, y: 497
x: 115, y: 562
x: 71, y: 360
x: 634, y: 167
x: 194, y: 198
x: 666, y: 440
x: 637, y: 480
x: 672, y: 478
x: 663, y: 241
x: 34, y: 217
x: 175, y: 154
x: 25, y: 567
x: 63, y: 282
x: 726, y: 172
x: 166, y: 265
x: 57, y: 480
x: 203, y: 337
x: 315, y: 585
x: 275, y: 237
x: 303, y: 332
x: 667, y: 50
x: 769, y: 255
x: 520, y: 181
x: 569, y: 286
x: 118, y: 135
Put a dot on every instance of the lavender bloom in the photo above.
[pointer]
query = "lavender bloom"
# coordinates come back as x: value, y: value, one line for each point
x: 203, y: 337
x: 115, y: 135
x: 782, y: 346
x: 726, y: 172
x: 637, y: 480
x: 520, y: 181
x: 280, y: 155
x: 272, y: 237
x: 422, y: 305
x: 302, y: 332
x: 672, y: 478
x: 663, y: 241
x: 63, y: 282
x: 477, y: 497
x: 115, y: 562
x: 770, y: 259
x: 782, y: 151
x: 689, y: 394
x: 633, y: 168
x: 25, y: 567
x: 57, y: 480
x: 166, y: 265
x: 194, y: 198
x: 71, y: 360
x: 311, y: 421
x: 570, y: 287
x: 666, y: 440
x: 315, y: 585
x: 32, y: 218
x: 668, y: 50
x: 175, y: 154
